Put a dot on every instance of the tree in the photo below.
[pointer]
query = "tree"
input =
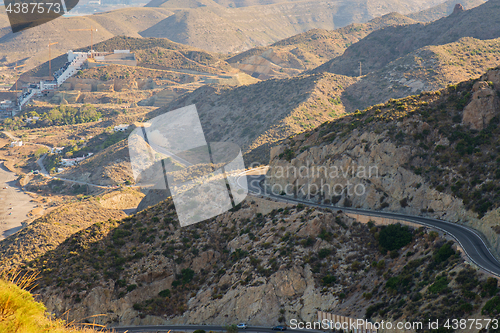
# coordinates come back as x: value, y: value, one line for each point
x: 231, y: 329
x: 394, y: 237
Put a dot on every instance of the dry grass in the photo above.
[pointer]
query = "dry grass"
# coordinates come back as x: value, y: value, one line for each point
x: 19, y: 312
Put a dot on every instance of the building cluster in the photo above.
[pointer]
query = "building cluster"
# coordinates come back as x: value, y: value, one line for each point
x: 67, y: 162
x: 76, y: 61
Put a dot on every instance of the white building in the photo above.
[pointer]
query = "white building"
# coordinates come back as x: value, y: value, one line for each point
x: 56, y: 150
x: 121, y: 128
x: 73, y: 161
x: 16, y: 144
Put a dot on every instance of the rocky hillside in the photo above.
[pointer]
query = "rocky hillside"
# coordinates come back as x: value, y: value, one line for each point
x: 383, y: 46
x: 47, y: 232
x: 264, y: 263
x: 427, y: 69
x: 258, y: 115
x: 309, y: 49
x: 433, y: 153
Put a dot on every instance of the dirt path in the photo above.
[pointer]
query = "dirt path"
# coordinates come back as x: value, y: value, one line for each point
x: 12, y: 196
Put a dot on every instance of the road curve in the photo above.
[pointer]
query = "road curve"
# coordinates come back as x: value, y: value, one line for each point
x: 470, y: 240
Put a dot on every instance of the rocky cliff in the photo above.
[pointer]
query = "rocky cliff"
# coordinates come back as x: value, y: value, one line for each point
x: 435, y: 154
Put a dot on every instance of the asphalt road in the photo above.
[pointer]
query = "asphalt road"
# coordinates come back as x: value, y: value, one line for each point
x: 191, y: 328
x: 469, y: 239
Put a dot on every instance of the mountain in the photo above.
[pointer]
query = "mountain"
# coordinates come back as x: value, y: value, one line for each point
x: 264, y: 263
x: 434, y: 153
x: 308, y: 50
x: 30, y: 46
x: 427, y: 69
x: 257, y: 116
x: 386, y: 45
x: 229, y: 30
x: 443, y: 9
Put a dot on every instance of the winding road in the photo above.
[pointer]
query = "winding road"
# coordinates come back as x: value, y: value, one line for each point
x: 474, y: 246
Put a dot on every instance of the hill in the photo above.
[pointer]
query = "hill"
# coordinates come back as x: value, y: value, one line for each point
x: 427, y: 69
x: 444, y: 9
x: 309, y: 49
x: 47, y: 232
x: 263, y: 264
x: 257, y: 116
x: 435, y: 154
x: 229, y: 30
x: 388, y: 44
x: 30, y: 46
x: 152, y: 53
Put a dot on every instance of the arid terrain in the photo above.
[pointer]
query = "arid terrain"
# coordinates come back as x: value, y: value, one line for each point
x: 410, y: 89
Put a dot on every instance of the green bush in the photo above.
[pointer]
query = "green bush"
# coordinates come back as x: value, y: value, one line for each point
x: 323, y: 253
x: 165, y: 293
x: 328, y: 280
x: 444, y: 253
x: 394, y: 237
x: 439, y: 285
x: 491, y: 305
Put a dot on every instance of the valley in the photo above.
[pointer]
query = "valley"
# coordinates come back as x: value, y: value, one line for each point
x: 373, y: 124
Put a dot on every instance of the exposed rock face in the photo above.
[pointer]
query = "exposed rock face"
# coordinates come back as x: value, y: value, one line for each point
x: 364, y: 171
x: 485, y: 103
x: 458, y: 8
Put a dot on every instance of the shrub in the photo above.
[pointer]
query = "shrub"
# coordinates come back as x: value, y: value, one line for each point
x: 444, y: 253
x: 492, y: 306
x: 323, y: 253
x: 394, y: 237
x: 165, y: 293
x: 439, y: 285
x: 328, y: 280
x: 394, y: 254
x: 372, y: 309
x: 231, y: 329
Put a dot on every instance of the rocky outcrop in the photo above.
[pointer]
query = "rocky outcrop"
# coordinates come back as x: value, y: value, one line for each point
x: 458, y: 8
x: 364, y: 171
x: 484, y: 106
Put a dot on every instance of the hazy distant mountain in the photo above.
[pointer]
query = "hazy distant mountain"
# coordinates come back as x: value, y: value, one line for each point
x: 386, y: 45
x: 443, y: 9
x: 214, y: 27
